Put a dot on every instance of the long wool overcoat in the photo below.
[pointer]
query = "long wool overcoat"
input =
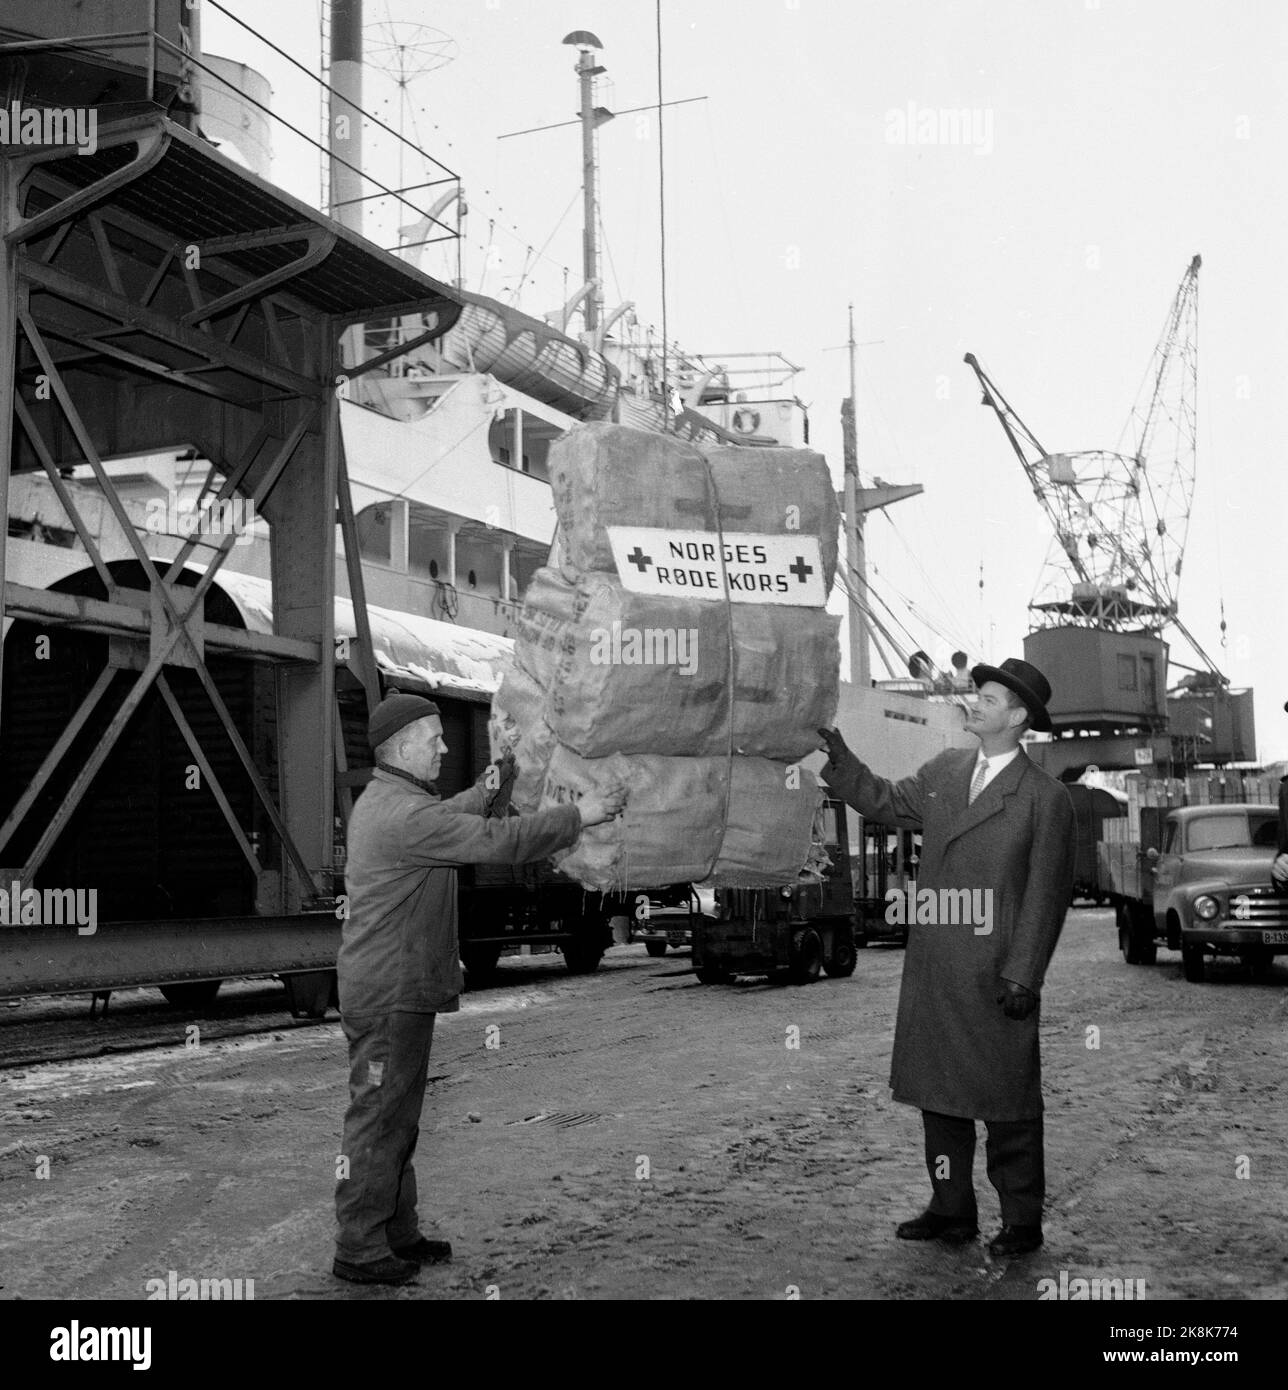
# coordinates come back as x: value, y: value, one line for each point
x: 955, y: 1051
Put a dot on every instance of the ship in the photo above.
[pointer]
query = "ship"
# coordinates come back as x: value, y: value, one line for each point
x: 168, y: 446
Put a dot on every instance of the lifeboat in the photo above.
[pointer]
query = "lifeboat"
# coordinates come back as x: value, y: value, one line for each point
x: 530, y: 356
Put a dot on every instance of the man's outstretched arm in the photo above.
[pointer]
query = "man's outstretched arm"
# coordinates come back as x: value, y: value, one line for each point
x: 877, y: 798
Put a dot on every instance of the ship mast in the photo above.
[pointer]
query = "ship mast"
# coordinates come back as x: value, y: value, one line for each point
x: 858, y: 501
x: 860, y: 668
x: 592, y: 117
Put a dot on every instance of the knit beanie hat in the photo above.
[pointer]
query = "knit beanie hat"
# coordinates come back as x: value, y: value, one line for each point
x: 395, y: 712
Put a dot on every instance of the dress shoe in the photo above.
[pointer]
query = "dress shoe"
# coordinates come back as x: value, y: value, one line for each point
x: 387, y: 1270
x: 953, y: 1230
x: 425, y: 1251
x: 1016, y: 1240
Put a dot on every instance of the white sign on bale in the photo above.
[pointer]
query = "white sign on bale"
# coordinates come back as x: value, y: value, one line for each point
x: 687, y: 564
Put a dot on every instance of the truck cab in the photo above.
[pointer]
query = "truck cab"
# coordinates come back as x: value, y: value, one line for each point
x: 1212, y: 892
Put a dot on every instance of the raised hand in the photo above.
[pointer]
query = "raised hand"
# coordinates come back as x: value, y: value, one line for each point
x: 602, y: 806
x: 835, y: 745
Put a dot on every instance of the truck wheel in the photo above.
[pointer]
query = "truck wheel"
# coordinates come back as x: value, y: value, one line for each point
x: 656, y: 949
x: 807, y: 957
x: 1136, y: 937
x: 582, y: 957
x: 309, y: 993
x: 844, y: 956
x: 192, y: 994
x: 712, y: 975
x: 1192, y: 963
x: 480, y: 964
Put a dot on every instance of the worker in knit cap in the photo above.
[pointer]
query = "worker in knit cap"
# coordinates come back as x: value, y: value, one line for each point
x: 399, y: 965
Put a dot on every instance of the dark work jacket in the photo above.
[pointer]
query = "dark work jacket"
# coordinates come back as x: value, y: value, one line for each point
x: 398, y: 949
x: 955, y: 1051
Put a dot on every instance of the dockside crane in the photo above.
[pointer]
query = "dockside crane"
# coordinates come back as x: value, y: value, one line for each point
x: 1120, y: 520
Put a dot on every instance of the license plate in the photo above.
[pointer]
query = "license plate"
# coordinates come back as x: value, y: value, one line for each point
x: 1274, y: 938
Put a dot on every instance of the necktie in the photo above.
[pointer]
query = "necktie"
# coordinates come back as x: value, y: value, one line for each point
x: 977, y: 782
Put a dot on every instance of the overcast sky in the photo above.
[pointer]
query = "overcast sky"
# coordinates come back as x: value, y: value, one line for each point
x: 1109, y: 141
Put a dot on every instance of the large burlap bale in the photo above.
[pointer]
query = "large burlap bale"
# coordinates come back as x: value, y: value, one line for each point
x: 787, y: 492
x: 605, y: 475
x: 634, y: 673
x: 673, y: 828
x: 516, y: 725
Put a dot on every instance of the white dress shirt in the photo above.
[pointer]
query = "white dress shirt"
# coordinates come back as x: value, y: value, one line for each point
x: 993, y: 765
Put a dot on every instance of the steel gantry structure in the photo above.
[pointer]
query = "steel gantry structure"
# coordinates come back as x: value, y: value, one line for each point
x: 153, y: 293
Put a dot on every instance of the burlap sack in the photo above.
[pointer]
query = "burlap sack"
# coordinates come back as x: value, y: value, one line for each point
x: 674, y: 826
x: 516, y: 725
x: 633, y: 673
x: 605, y: 475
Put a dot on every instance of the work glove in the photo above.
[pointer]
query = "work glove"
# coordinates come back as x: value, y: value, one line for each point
x: 835, y: 745
x: 1016, y: 1001
x: 497, y: 799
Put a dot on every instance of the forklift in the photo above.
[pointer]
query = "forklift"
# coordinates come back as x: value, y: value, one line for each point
x: 792, y: 933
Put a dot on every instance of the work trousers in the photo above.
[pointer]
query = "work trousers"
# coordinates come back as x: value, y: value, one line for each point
x: 1015, y: 1166
x: 375, y: 1204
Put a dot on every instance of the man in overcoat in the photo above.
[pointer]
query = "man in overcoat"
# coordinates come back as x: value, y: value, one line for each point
x: 966, y: 1038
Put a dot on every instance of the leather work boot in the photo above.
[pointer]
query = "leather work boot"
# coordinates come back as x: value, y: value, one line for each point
x: 388, y: 1270
x: 952, y: 1230
x: 425, y: 1251
x: 1015, y: 1240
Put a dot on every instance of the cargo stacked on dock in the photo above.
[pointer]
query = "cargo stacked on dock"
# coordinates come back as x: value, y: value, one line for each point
x: 681, y: 646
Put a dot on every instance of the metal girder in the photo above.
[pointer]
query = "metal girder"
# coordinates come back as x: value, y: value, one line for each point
x: 319, y: 242
x: 208, y: 772
x: 392, y: 311
x: 152, y: 145
x: 163, y: 643
x: 37, y: 442
x: 303, y: 578
x: 293, y: 353
x: 54, y: 959
x: 231, y: 483
x: 250, y: 241
x: 124, y: 620
x: 367, y: 672
x: 388, y: 356
x: 87, y: 772
x: 96, y: 348
x: 9, y: 300
x: 167, y: 248
x: 106, y: 254
x: 166, y: 329
x: 158, y: 276
x: 55, y: 755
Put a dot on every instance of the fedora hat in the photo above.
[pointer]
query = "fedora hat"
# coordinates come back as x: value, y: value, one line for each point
x: 1027, y: 682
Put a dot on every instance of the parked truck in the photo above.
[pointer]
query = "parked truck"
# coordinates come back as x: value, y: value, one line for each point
x: 1195, y: 879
